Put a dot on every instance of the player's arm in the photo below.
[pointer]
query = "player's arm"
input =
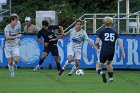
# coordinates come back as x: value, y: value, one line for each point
x: 39, y: 34
x: 122, y: 48
x: 8, y: 37
x: 60, y: 36
x: 41, y: 42
x: 61, y: 30
x: 92, y: 44
x: 98, y: 42
x: 62, y: 33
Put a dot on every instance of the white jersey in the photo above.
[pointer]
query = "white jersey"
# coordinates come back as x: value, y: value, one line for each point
x: 75, y: 43
x: 76, y: 38
x: 11, y: 32
x: 19, y: 26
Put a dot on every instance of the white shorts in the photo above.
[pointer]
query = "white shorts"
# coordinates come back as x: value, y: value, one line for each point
x: 11, y: 51
x: 74, y: 51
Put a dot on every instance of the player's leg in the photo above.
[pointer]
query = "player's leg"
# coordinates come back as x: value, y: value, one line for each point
x: 100, y: 71
x: 57, y: 63
x: 8, y: 54
x: 110, y: 71
x: 16, y: 56
x: 77, y: 61
x: 102, y: 59
x: 70, y: 54
x: 55, y: 54
x: 44, y: 54
x: 109, y: 66
x: 75, y: 67
x: 16, y: 59
x: 11, y: 67
x: 70, y: 59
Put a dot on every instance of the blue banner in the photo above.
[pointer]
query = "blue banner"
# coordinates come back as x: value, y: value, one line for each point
x: 31, y: 51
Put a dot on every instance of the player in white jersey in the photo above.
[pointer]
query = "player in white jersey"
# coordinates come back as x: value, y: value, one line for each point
x: 18, y: 25
x: 12, y: 36
x: 77, y: 36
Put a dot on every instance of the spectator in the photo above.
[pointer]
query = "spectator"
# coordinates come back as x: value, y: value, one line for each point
x: 29, y: 27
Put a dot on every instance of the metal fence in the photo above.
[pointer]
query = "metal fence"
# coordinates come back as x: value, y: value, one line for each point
x: 125, y: 24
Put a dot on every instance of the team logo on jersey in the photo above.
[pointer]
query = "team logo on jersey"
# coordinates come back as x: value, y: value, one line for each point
x: 29, y: 51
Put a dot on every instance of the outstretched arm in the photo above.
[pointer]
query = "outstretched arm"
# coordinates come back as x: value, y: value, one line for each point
x: 122, y: 49
x: 60, y: 36
x: 92, y: 44
x: 97, y: 42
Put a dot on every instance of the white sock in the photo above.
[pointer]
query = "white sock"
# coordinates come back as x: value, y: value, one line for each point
x: 38, y: 66
x: 65, y: 65
x: 11, y: 68
x: 74, y: 68
x: 101, y: 72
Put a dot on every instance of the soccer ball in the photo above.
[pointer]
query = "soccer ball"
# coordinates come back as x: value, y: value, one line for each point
x: 79, y: 72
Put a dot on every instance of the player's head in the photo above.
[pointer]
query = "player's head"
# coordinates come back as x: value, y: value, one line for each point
x: 15, y: 14
x: 13, y: 20
x: 45, y: 23
x: 108, y: 21
x: 79, y: 24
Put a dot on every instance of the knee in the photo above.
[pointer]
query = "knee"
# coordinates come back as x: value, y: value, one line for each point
x: 77, y: 62
x: 16, y: 59
x: 98, y: 66
x: 108, y: 63
x: 43, y: 58
x: 70, y: 59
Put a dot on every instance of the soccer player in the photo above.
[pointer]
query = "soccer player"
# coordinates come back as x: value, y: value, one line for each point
x: 50, y: 42
x: 77, y: 36
x: 108, y: 37
x: 11, y: 47
x: 18, y: 26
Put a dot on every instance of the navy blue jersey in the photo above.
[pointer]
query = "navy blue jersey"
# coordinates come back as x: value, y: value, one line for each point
x: 48, y: 35
x: 108, y: 37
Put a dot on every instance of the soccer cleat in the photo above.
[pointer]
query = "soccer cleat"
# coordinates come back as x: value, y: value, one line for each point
x: 61, y: 72
x: 36, y: 68
x: 110, y: 80
x: 69, y: 74
x: 104, y: 78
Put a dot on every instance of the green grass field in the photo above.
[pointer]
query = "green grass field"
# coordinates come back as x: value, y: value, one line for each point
x: 47, y: 81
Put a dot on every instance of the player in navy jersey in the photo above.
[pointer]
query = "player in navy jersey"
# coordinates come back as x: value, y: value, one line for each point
x: 108, y: 37
x: 50, y: 42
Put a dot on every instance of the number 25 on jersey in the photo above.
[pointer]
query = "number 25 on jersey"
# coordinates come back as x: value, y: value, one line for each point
x: 109, y: 37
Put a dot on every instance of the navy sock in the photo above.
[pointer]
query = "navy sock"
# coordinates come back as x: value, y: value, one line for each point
x: 58, y: 66
x: 100, y: 72
x: 41, y: 61
x: 110, y: 74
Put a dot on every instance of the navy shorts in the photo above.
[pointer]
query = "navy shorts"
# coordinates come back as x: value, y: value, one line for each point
x: 53, y: 49
x: 106, y: 56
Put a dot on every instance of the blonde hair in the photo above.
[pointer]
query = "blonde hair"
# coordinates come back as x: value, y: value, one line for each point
x: 108, y: 21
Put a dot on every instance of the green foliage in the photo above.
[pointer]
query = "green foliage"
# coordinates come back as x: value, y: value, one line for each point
x: 70, y: 9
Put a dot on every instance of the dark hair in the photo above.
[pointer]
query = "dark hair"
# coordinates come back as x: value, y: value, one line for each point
x: 12, y: 18
x: 45, y: 23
